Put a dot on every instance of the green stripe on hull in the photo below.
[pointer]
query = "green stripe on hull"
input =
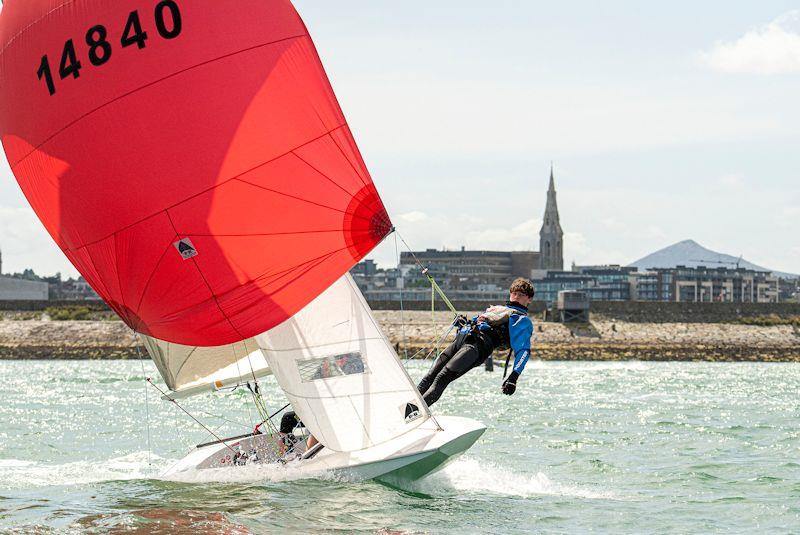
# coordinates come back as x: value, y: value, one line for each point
x: 431, y: 463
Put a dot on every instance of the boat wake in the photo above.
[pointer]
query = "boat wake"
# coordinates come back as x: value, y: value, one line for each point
x: 254, y: 473
x: 464, y: 475
x: 19, y: 474
x: 468, y: 475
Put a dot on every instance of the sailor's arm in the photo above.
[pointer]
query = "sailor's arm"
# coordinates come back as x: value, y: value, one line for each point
x: 520, y: 330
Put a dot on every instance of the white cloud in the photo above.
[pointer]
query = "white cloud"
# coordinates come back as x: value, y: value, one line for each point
x: 732, y: 181
x: 770, y: 49
x: 495, y: 234
x: 414, y: 217
x: 25, y: 244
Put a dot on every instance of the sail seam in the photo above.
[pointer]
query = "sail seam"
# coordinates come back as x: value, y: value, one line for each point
x: 211, y: 291
x: 378, y: 338
x: 154, y: 214
x: 150, y: 84
x: 251, y: 281
x: 363, y: 181
x: 150, y: 277
x: 239, y: 179
x: 332, y: 181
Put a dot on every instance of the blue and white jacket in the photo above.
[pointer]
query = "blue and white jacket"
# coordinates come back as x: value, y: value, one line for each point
x: 508, y: 325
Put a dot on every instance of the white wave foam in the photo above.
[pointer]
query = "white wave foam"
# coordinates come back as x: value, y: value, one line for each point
x: 470, y: 475
x: 14, y: 463
x: 25, y: 474
x: 254, y: 473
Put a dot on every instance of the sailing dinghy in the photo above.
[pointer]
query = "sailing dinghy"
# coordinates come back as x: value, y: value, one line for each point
x: 345, y: 382
x: 191, y: 160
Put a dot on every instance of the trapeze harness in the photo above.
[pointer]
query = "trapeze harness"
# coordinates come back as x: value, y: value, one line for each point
x: 505, y: 326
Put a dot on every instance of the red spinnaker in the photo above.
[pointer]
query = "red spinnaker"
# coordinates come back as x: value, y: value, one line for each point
x: 188, y: 156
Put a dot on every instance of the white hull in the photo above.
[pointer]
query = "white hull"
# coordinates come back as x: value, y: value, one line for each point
x: 408, y: 457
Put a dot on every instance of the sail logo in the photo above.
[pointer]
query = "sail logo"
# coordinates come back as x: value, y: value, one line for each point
x: 186, y: 248
x: 411, y: 412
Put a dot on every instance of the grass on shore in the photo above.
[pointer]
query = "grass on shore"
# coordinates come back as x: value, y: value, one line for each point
x: 770, y: 320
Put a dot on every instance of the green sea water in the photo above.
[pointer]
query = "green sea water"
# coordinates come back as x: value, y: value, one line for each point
x: 582, y: 447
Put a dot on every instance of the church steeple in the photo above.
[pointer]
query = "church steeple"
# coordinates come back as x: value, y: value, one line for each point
x: 551, y: 236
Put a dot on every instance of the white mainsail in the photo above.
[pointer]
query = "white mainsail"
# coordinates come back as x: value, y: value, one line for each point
x: 331, y: 359
x: 341, y: 374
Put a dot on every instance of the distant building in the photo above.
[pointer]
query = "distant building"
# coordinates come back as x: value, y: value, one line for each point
x: 551, y: 236
x: 611, y: 282
x: 13, y: 289
x: 73, y: 290
x: 469, y: 271
x: 480, y: 275
x: 548, y: 286
x: 705, y: 285
x: 789, y: 290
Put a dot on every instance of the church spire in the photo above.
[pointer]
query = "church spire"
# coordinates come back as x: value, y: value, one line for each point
x: 551, y: 236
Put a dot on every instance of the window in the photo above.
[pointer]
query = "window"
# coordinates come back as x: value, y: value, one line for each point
x: 328, y: 367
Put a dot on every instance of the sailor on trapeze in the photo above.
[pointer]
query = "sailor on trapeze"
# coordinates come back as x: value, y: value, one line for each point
x: 500, y: 326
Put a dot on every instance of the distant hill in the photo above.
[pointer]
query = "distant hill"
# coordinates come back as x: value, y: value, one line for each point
x: 689, y: 253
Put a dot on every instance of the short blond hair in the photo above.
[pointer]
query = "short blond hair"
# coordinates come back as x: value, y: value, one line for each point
x: 523, y: 286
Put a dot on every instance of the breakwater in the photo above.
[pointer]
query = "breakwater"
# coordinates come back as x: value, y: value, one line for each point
x: 414, y: 333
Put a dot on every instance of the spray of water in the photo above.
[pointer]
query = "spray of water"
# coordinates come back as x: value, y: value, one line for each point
x: 468, y: 475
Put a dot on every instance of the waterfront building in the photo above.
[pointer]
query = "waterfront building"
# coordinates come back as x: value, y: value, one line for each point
x: 789, y: 290
x: 22, y: 290
x: 705, y: 285
x: 15, y: 289
x: 610, y: 282
x: 469, y: 271
x: 548, y: 286
x: 370, y: 278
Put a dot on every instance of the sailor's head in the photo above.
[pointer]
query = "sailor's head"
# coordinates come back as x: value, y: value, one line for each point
x: 521, y: 291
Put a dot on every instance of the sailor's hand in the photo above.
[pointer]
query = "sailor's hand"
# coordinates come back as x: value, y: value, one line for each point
x: 460, y: 321
x: 510, y: 384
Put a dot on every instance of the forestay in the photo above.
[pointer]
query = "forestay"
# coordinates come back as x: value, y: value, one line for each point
x: 189, y: 370
x: 341, y: 374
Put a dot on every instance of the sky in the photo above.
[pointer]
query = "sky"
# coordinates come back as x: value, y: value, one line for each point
x: 664, y: 122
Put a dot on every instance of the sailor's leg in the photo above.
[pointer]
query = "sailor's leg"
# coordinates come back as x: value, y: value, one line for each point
x: 287, y: 438
x: 438, y: 366
x: 463, y: 361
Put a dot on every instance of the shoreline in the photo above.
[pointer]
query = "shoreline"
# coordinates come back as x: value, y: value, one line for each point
x: 603, y: 339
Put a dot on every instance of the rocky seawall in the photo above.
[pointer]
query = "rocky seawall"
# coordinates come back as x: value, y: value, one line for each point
x: 601, y: 339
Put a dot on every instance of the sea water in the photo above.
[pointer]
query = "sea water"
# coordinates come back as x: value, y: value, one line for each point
x: 582, y: 447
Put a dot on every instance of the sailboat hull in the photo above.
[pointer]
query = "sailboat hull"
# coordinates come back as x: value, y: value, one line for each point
x: 406, y: 458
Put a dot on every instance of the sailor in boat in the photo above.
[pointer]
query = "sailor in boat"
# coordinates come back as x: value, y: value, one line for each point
x: 499, y: 326
x: 287, y: 440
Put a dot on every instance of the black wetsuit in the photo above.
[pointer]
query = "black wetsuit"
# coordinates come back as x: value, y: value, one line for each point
x: 465, y: 353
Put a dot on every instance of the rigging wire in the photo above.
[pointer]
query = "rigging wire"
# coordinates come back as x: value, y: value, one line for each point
x: 190, y: 415
x: 435, y: 289
x: 426, y: 272
x: 402, y: 285
x: 146, y: 400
